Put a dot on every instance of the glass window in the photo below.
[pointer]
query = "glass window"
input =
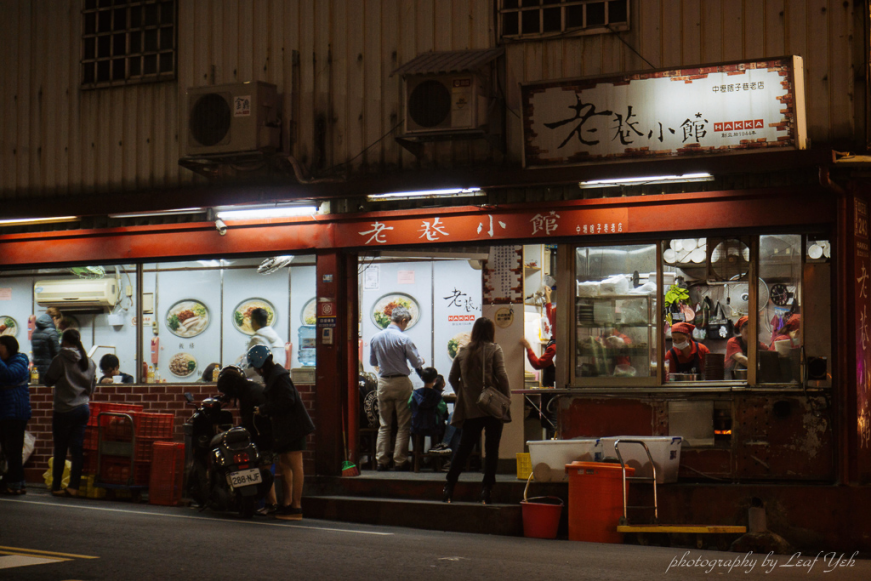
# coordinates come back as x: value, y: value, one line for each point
x: 98, y: 301
x: 615, y: 296
x: 780, y: 315
x: 559, y: 17
x: 198, y: 314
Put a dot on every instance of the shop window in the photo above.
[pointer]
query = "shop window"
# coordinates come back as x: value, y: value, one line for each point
x: 780, y: 316
x: 535, y: 19
x: 128, y: 42
x: 614, y: 331
x: 197, y: 314
x: 99, y: 301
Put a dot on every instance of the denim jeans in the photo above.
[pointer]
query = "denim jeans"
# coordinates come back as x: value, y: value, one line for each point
x: 68, y: 430
x: 12, y: 442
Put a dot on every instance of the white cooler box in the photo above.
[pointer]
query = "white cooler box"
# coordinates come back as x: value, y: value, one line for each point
x: 665, y: 451
x: 555, y: 454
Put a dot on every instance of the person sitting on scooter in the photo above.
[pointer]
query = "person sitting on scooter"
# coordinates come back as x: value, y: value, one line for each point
x: 248, y: 395
x: 290, y: 425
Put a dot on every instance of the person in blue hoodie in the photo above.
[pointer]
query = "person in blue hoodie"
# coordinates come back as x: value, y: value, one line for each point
x: 73, y: 376
x: 428, y: 409
x: 44, y: 342
x: 14, y: 411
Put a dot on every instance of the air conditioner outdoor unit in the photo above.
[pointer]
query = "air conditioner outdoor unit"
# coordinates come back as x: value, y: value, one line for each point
x: 76, y: 294
x: 235, y: 118
x: 445, y: 103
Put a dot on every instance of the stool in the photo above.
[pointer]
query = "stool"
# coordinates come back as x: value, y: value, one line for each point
x: 367, y: 439
x: 418, y: 453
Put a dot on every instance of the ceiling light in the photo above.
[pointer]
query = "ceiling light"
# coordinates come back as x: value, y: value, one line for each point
x: 689, y: 177
x: 452, y: 193
x: 175, y: 212
x: 26, y: 221
x: 260, y: 213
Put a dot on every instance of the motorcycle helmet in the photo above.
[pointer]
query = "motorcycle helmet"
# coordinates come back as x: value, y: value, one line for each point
x: 258, y: 355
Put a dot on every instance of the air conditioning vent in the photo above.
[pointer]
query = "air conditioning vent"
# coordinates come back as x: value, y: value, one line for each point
x: 230, y: 119
x: 76, y: 294
x: 210, y: 119
x: 444, y: 103
x: 429, y: 104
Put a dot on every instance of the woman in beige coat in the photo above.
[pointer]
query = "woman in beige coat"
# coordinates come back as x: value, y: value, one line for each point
x: 467, y: 379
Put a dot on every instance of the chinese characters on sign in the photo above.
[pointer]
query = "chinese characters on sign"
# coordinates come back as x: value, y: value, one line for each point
x: 503, y: 282
x: 242, y: 106
x: 862, y: 262
x: 714, y: 109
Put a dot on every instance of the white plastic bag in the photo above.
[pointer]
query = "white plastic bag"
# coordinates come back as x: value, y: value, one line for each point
x: 29, y: 443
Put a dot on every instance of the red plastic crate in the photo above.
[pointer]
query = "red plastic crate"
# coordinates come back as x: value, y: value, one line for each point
x: 103, y: 406
x: 116, y: 470
x: 91, y: 438
x: 144, y: 451
x: 90, y: 463
x: 154, y: 426
x: 167, y: 474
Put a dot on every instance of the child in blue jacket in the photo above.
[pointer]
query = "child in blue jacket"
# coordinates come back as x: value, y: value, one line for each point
x: 428, y: 409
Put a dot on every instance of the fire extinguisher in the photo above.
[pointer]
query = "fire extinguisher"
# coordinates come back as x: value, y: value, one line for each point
x: 155, y: 349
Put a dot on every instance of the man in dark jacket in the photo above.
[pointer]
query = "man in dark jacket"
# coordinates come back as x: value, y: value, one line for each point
x: 290, y: 425
x: 44, y: 342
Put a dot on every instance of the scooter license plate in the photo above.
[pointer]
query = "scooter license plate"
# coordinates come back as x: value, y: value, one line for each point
x: 245, y: 477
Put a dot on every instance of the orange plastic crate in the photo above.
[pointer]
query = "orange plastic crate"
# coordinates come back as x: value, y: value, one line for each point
x: 144, y: 451
x: 155, y: 426
x: 91, y: 438
x: 167, y: 474
x: 103, y: 406
x: 116, y: 470
x: 89, y: 465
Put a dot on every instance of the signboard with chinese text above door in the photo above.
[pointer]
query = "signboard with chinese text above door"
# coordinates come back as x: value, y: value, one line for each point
x: 706, y: 110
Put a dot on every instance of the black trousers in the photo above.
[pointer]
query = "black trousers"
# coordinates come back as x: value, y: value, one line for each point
x: 471, y: 434
x: 12, y: 442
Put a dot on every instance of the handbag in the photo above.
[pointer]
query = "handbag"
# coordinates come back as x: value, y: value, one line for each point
x: 491, y: 401
x: 719, y: 326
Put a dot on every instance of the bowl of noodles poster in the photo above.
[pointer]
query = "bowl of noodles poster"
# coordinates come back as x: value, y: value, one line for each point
x: 457, y: 342
x: 187, y: 318
x: 8, y: 326
x: 383, y: 309
x: 308, y: 315
x: 242, y: 314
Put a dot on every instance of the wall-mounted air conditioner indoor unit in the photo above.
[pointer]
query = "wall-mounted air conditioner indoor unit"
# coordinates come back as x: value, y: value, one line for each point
x: 445, y: 103
x: 76, y: 294
x: 230, y: 119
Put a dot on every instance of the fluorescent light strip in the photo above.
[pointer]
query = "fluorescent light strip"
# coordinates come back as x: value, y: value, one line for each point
x: 271, y: 212
x: 160, y: 213
x: 22, y: 221
x: 456, y: 192
x: 690, y: 177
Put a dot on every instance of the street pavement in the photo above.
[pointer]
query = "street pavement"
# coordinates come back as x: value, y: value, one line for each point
x: 48, y: 538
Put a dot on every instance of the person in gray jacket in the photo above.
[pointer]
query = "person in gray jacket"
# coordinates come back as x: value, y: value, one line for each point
x: 73, y: 376
x: 481, y: 356
x: 44, y: 342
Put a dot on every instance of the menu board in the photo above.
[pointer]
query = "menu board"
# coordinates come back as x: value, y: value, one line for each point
x: 503, y: 275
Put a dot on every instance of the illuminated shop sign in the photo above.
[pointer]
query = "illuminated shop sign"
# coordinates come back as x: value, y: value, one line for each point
x: 708, y: 110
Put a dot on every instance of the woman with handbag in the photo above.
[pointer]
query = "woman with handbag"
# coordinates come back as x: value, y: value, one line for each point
x: 483, y: 397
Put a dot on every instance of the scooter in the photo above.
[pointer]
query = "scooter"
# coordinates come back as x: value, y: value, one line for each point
x: 224, y: 472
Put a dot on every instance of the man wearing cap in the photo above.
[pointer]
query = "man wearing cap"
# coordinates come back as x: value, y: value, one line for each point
x: 390, y: 351
x: 685, y: 355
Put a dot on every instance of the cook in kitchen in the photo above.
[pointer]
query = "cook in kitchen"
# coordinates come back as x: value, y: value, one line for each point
x: 685, y: 355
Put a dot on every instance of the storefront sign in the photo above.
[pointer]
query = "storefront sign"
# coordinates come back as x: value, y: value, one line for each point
x: 708, y: 110
x: 503, y: 275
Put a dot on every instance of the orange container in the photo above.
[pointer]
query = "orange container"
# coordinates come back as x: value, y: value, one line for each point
x: 595, y: 501
x: 167, y: 474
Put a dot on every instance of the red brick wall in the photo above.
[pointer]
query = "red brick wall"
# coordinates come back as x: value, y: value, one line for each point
x: 155, y: 398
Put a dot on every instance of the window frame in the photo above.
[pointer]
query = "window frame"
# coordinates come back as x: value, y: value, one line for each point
x: 585, y: 30
x: 91, y: 40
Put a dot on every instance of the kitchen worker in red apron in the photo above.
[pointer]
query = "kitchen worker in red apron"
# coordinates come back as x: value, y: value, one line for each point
x: 685, y: 355
x: 789, y: 332
x: 736, y: 347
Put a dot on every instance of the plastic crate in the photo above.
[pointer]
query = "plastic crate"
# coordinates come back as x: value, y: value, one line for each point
x: 524, y: 466
x: 118, y: 429
x: 154, y: 426
x: 89, y: 465
x: 97, y: 407
x: 167, y: 474
x: 116, y: 470
x: 88, y: 490
x: 144, y: 450
x: 91, y: 438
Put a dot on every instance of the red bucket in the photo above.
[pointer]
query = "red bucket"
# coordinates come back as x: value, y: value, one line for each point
x: 541, y: 515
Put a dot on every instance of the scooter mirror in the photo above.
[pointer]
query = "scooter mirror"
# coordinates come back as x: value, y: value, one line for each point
x: 189, y: 397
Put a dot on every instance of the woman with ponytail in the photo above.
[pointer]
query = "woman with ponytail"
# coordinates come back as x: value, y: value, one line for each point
x: 73, y: 376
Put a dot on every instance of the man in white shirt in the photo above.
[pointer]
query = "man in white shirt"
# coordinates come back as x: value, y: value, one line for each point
x: 265, y: 335
x: 390, y: 349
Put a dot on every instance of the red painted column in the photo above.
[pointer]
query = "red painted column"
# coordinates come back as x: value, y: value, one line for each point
x: 331, y: 374
x: 351, y: 340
